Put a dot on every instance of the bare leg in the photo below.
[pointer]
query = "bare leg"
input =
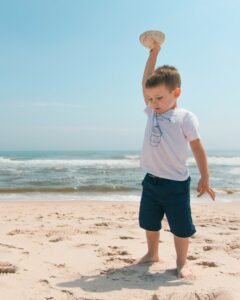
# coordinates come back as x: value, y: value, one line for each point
x: 152, y: 254
x: 181, y: 246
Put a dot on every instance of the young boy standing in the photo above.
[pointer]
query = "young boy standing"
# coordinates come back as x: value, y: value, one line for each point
x: 166, y: 186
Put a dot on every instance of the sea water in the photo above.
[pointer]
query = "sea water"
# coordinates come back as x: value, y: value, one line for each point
x: 102, y: 175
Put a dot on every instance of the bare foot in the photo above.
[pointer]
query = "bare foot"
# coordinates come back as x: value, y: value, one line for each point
x: 185, y: 273
x: 147, y: 258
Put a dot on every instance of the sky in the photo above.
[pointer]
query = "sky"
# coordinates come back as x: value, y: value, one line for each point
x: 71, y: 71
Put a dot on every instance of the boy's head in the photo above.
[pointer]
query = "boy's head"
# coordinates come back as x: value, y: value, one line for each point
x: 163, y: 88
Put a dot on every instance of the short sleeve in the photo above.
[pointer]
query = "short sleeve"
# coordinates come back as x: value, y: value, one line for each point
x: 148, y: 110
x: 191, y: 127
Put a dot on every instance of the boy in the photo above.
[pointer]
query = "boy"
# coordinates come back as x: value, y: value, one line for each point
x: 166, y: 186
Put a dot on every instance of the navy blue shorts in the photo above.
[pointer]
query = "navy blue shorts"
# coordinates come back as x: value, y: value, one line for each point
x: 164, y: 196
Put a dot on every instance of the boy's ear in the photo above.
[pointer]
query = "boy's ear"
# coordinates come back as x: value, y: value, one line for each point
x: 177, y: 92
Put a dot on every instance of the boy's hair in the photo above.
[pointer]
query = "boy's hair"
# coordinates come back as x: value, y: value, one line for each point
x: 167, y: 75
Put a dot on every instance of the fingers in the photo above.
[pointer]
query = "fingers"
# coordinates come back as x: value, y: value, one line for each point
x: 201, y: 193
x: 156, y: 47
x: 202, y: 190
x: 199, y: 188
x: 211, y: 193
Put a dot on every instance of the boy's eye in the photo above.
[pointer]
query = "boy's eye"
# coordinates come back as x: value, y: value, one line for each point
x: 159, y: 98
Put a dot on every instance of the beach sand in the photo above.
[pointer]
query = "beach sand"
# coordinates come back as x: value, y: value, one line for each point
x: 84, y: 250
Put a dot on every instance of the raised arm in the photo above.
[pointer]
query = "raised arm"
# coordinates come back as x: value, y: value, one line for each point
x: 149, y: 68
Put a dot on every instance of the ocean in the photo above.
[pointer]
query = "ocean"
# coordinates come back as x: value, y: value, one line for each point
x: 101, y: 175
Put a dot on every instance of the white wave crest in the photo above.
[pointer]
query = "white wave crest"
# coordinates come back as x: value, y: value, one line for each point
x: 61, y: 163
x: 220, y: 160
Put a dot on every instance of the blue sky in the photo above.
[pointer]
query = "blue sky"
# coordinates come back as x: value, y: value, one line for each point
x: 71, y: 71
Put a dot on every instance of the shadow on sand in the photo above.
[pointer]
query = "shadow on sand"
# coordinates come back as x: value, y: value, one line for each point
x: 128, y: 277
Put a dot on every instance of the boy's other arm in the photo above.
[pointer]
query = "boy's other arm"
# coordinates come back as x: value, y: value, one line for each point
x: 149, y: 68
x: 201, y: 159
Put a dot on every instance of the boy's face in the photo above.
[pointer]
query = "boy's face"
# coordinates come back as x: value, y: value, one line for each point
x: 161, y: 99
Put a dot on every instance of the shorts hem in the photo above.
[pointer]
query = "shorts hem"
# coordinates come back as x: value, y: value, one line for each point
x: 150, y: 228
x: 184, y: 235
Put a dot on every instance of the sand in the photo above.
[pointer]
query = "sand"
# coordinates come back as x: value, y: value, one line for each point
x: 85, y: 250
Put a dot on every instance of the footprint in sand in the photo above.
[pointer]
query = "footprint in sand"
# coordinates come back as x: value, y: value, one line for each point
x: 207, y: 264
x: 233, y: 228
x: 207, y: 248
x: 116, y: 274
x: 39, y: 217
x: 6, y: 267
x: 10, y: 246
x: 233, y: 221
x: 58, y: 266
x: 118, y: 252
x: 213, y: 295
x: 42, y: 284
x: 114, y: 255
x: 147, y: 277
x: 224, y: 233
x: 126, y: 237
x: 232, y: 246
x: 192, y: 257
x: 44, y: 281
x: 20, y: 231
x: 101, y: 224
x: 67, y: 292
x: 84, y: 298
x: 86, y: 244
x: 122, y: 252
x: 58, y: 239
x: 89, y: 232
x: 113, y: 247
x: 126, y: 260
x: 208, y: 241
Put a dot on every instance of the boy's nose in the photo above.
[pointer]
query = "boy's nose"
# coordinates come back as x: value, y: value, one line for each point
x: 154, y: 101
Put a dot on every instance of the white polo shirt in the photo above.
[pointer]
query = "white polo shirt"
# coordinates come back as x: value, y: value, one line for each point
x: 165, y: 146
